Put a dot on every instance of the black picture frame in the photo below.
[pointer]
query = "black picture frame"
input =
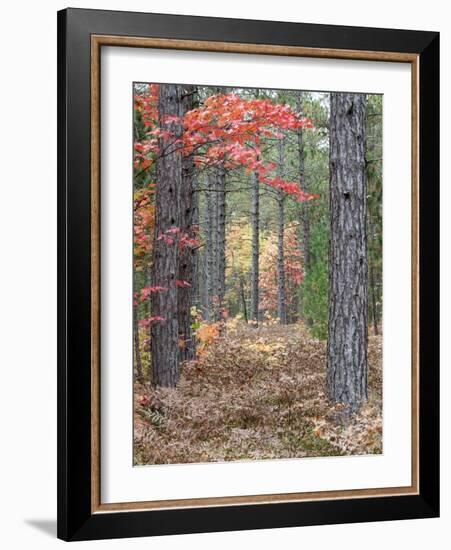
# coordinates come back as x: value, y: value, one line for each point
x: 75, y: 518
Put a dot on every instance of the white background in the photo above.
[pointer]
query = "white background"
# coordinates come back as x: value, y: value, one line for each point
x: 28, y: 274
x: 120, y: 482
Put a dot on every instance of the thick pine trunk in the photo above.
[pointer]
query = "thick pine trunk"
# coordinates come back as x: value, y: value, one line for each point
x: 188, y: 254
x: 209, y: 251
x: 348, y: 266
x: 255, y: 248
x: 165, y: 333
x: 281, y: 284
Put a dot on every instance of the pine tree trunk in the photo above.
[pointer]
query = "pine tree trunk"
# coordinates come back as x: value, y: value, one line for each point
x: 243, y: 299
x: 214, y: 275
x: 281, y: 285
x: 149, y: 275
x: 372, y: 289
x: 305, y: 219
x: 197, y: 279
x: 255, y: 248
x: 202, y: 277
x: 221, y: 240
x: 294, y: 305
x: 348, y: 265
x: 165, y: 334
x: 209, y: 251
x: 138, y: 362
x: 373, y: 301
x: 188, y: 254
x: 281, y: 290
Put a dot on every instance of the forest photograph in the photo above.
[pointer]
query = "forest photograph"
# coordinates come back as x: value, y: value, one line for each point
x: 257, y: 273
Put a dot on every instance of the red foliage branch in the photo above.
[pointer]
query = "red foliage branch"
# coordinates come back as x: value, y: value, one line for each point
x: 225, y: 131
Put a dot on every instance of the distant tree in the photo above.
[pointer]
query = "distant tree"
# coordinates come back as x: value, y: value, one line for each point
x: 220, y: 195
x: 269, y: 287
x: 374, y: 211
x: 305, y: 221
x: 281, y: 282
x: 255, y: 222
x: 255, y: 271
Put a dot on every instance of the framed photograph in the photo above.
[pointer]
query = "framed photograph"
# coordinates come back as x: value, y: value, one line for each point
x: 248, y: 274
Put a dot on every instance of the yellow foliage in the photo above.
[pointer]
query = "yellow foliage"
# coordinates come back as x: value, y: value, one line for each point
x: 206, y: 334
x: 263, y: 346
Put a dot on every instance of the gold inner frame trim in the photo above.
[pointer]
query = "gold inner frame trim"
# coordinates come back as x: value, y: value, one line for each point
x: 97, y: 41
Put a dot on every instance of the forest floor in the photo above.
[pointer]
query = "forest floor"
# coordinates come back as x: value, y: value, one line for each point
x: 256, y: 393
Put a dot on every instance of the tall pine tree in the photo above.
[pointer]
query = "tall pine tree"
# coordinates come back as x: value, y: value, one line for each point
x: 348, y: 264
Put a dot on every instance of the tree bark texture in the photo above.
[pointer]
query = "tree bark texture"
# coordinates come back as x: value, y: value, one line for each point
x: 209, y: 251
x: 294, y: 304
x: 372, y: 285
x: 281, y: 284
x: 220, y: 240
x: 165, y: 333
x: 138, y: 362
x: 255, y: 248
x: 305, y: 219
x: 188, y: 254
x: 348, y: 265
x: 373, y: 301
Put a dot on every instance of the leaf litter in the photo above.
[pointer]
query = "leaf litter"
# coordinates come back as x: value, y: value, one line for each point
x: 256, y: 393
